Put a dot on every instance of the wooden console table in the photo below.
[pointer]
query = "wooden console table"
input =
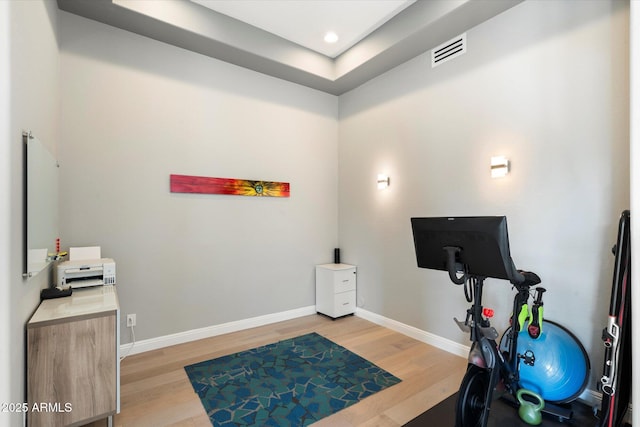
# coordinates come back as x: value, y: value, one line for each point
x: 73, y: 359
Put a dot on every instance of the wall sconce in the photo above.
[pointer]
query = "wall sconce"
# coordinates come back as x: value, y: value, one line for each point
x: 499, y: 166
x: 383, y: 181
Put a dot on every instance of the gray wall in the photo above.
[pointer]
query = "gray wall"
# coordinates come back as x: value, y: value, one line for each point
x: 545, y: 84
x: 134, y: 111
x: 5, y: 210
x: 634, y: 137
x: 33, y: 102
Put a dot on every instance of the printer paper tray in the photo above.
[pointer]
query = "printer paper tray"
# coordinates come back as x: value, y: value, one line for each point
x: 85, y: 283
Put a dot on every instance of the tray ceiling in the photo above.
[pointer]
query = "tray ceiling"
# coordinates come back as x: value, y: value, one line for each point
x: 257, y: 37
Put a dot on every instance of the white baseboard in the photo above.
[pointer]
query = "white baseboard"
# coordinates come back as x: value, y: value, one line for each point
x: 590, y: 397
x: 212, y: 331
x: 415, y: 333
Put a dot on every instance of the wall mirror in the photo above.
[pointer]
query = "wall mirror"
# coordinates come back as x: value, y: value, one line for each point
x: 40, y: 205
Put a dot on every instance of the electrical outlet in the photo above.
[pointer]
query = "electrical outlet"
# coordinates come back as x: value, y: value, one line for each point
x: 131, y: 320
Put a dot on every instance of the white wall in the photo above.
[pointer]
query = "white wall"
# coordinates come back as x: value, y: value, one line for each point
x: 634, y: 72
x: 134, y: 111
x: 33, y: 101
x: 545, y: 84
x: 5, y: 211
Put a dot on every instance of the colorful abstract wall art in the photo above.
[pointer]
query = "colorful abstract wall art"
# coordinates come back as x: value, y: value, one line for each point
x: 237, y: 187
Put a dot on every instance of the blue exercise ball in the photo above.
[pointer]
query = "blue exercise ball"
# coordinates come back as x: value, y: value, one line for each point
x: 561, y: 368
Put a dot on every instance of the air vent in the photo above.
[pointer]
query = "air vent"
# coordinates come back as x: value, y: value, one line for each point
x: 449, y: 50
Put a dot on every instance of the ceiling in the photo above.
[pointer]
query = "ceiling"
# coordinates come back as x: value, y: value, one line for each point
x: 305, y: 22
x: 284, y: 38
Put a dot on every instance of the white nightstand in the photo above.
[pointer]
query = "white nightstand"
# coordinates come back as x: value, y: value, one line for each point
x: 336, y: 289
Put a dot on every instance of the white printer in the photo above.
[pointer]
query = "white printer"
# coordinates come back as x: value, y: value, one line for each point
x: 86, y: 272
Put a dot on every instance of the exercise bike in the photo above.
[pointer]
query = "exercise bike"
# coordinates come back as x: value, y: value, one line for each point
x: 472, y: 249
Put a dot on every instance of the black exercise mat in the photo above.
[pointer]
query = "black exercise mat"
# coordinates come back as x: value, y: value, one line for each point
x: 502, y: 415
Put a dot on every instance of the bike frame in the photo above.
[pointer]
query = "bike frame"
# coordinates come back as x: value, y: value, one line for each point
x: 485, y: 352
x: 483, y: 338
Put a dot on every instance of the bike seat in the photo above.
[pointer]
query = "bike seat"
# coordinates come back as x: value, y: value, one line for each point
x: 530, y: 278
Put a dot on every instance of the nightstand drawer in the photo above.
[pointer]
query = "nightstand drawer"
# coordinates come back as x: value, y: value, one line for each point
x: 344, y: 303
x: 344, y: 280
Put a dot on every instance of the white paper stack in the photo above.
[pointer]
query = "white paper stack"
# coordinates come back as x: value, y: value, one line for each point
x: 87, y: 252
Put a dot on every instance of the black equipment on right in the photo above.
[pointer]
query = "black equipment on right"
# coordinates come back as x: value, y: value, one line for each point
x: 615, y: 382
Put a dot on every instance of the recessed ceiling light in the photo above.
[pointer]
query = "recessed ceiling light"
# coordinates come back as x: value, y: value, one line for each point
x: 331, y: 37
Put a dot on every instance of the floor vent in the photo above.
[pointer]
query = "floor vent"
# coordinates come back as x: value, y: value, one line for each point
x: 449, y: 50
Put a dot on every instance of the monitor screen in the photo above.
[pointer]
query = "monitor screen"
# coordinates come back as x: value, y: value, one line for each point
x: 483, y: 243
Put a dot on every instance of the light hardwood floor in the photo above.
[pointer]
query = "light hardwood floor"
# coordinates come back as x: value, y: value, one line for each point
x: 155, y: 390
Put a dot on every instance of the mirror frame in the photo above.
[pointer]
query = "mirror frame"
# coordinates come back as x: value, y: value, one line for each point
x: 25, y: 205
x: 36, y: 178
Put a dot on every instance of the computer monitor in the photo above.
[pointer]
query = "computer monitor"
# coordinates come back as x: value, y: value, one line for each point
x: 483, y: 244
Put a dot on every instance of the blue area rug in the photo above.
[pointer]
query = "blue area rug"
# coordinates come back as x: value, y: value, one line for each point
x: 294, y: 382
